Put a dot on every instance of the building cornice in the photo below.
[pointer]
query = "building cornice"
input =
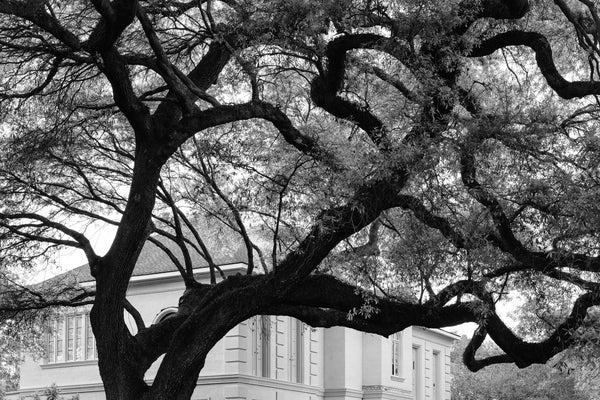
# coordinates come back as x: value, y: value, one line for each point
x: 343, y: 393
x: 202, y: 381
x: 440, y: 332
x: 200, y: 273
x: 386, y: 392
x: 68, y: 364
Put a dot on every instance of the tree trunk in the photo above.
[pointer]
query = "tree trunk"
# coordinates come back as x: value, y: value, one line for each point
x: 117, y: 352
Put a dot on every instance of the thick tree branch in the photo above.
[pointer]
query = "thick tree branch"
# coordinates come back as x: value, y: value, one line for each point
x: 474, y: 344
x: 35, y: 12
x: 165, y: 68
x: 503, y: 9
x: 204, y: 74
x: 507, y: 241
x: 385, y: 316
x: 524, y: 353
x: 433, y: 221
x: 137, y: 317
x: 407, y: 316
x: 116, y: 17
x: 135, y: 111
x: 324, y: 88
x: 335, y: 224
x: 545, y: 61
x: 199, y: 121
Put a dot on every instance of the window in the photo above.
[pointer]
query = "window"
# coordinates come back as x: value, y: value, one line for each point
x: 266, y: 346
x: 396, y: 353
x: 59, y: 327
x: 70, y: 339
x: 436, y: 376
x: 78, y: 338
x: 417, y: 373
x: 90, y: 342
x: 296, y: 350
x: 261, y: 345
x: 165, y: 313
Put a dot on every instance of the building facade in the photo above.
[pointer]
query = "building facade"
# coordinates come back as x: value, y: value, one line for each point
x: 264, y: 358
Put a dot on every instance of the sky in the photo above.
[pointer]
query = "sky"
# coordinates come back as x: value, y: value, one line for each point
x: 69, y: 258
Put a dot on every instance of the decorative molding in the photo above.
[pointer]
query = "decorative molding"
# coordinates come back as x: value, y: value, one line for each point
x: 258, y: 381
x: 199, y: 272
x: 219, y: 380
x: 343, y: 392
x: 386, y: 392
x: 175, y: 276
x: 68, y: 364
x: 433, y: 334
x: 382, y: 388
x: 66, y: 389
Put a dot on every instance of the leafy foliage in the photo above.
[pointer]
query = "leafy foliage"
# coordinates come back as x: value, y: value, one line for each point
x: 506, y: 382
x: 16, y: 341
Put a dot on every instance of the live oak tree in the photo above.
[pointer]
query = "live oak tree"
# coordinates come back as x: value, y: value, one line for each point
x: 382, y: 164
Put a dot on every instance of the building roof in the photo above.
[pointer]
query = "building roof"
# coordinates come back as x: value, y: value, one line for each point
x: 153, y: 260
x: 440, y: 332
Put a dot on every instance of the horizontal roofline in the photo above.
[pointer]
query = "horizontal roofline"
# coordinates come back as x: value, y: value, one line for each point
x: 441, y: 332
x: 204, y: 270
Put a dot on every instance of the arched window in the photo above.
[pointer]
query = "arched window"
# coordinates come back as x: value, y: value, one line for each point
x: 164, y: 314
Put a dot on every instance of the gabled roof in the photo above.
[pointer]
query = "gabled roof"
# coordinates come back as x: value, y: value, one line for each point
x: 153, y: 260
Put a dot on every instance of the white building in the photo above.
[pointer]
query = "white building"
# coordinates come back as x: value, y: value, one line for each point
x: 264, y: 358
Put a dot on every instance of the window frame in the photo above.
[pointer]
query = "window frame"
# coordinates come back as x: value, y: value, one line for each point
x: 165, y: 313
x: 63, y: 346
x: 265, y: 344
x: 396, y: 353
x: 296, y: 350
x: 260, y: 326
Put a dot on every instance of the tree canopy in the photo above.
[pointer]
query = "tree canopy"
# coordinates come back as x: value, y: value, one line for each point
x: 382, y: 164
